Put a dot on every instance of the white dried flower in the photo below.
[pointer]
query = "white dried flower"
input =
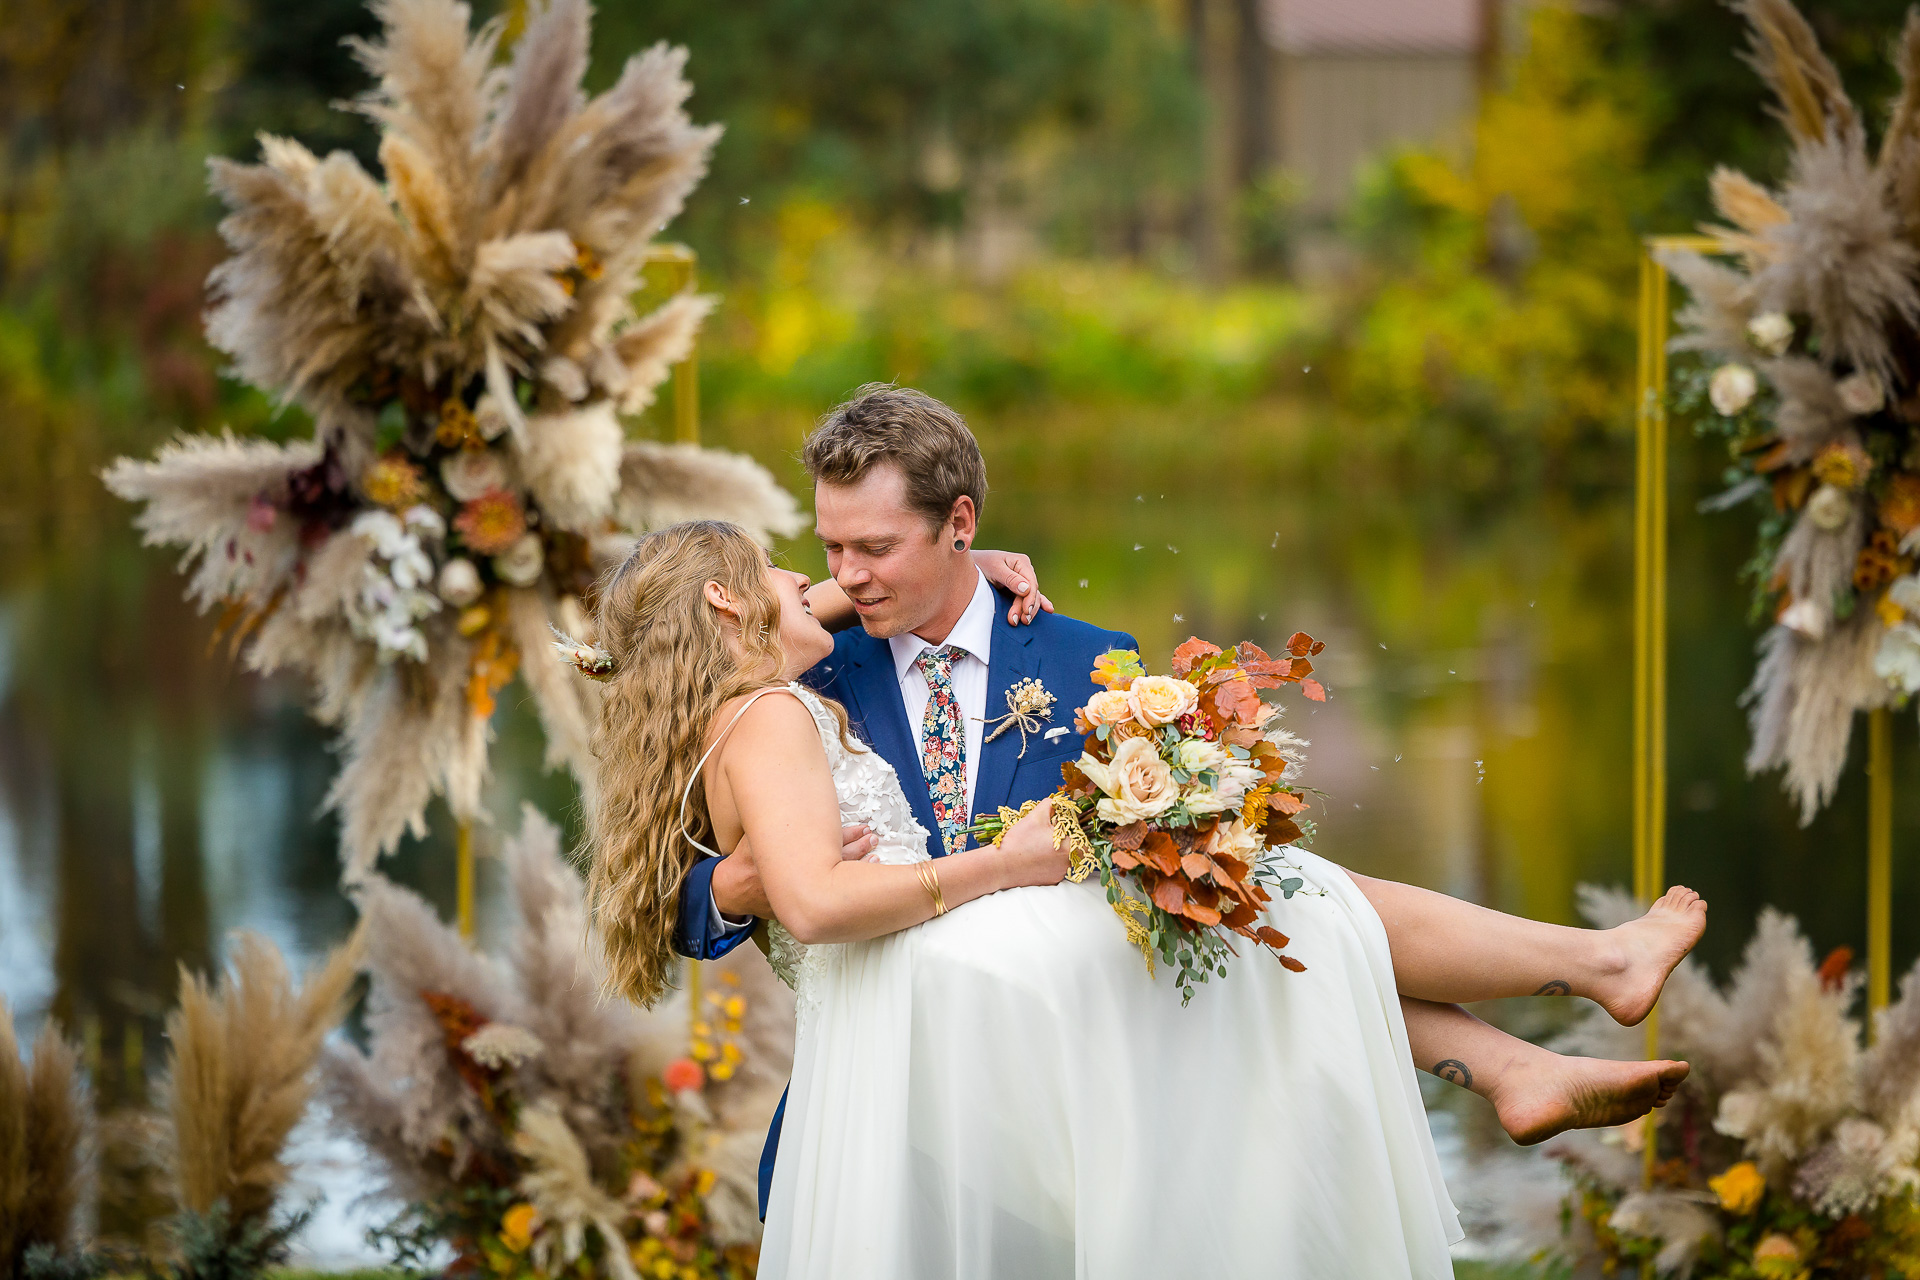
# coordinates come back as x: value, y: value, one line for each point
x: 393, y: 595
x: 1829, y: 508
x: 1806, y: 618
x: 1898, y: 659
x: 1771, y: 332
x: 1850, y: 1173
x: 471, y: 472
x: 501, y: 1045
x: 520, y: 564
x: 490, y: 418
x: 1905, y: 592
x: 1861, y: 393
x: 459, y: 582
x: 1732, y: 389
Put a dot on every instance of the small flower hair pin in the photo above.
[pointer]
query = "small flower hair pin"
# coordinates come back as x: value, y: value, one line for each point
x: 590, y: 660
x: 1029, y: 706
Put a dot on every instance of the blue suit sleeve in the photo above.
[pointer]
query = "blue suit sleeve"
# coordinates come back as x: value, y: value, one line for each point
x: 697, y: 934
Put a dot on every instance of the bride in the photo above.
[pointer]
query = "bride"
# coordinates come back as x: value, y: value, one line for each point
x: 1002, y: 1090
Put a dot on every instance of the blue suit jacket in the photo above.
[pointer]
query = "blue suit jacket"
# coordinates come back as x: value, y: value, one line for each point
x: 1059, y: 652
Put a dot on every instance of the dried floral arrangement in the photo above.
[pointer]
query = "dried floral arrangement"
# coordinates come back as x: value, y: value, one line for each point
x: 540, y: 1129
x: 464, y: 339
x: 1789, y: 1152
x: 1811, y: 370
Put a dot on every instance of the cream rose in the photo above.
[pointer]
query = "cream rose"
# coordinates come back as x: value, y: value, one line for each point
x: 1235, y: 839
x: 1138, y: 783
x: 1109, y: 706
x: 1771, y: 332
x: 1829, y: 508
x: 520, y: 564
x: 471, y: 472
x: 1732, y: 389
x: 1197, y: 755
x: 459, y: 582
x: 1161, y: 699
x: 1861, y: 393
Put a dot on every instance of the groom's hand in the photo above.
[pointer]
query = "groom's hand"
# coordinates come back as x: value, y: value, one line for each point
x: 737, y: 890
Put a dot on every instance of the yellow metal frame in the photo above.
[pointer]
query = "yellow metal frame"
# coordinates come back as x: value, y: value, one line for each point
x: 1650, y: 658
x: 683, y: 265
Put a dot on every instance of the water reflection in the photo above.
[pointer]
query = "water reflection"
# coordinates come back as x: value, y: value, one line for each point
x: 153, y: 797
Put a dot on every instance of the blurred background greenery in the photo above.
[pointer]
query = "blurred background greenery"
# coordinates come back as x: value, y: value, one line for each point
x: 1269, y: 314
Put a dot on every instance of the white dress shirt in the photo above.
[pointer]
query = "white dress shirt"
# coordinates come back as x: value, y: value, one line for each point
x: 973, y: 633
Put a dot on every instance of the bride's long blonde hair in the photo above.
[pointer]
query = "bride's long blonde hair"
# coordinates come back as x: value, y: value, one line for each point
x: 674, y: 670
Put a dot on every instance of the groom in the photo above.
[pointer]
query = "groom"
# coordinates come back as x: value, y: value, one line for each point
x: 898, y: 482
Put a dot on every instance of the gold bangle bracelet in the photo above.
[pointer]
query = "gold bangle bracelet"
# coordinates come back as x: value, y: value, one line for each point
x: 930, y: 881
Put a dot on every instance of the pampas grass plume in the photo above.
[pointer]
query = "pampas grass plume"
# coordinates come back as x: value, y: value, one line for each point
x: 244, y: 1049
x: 43, y: 1143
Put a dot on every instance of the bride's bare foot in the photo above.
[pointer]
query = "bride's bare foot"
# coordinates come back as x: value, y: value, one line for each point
x: 1553, y: 1094
x: 1649, y: 948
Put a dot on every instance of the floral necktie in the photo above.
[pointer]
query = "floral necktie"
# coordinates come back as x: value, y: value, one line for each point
x: 943, y: 746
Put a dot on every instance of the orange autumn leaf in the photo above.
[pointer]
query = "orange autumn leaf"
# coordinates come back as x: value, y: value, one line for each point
x: 1300, y: 644
x: 1286, y: 802
x: 1159, y: 852
x: 1313, y: 689
x: 1131, y: 836
x: 1124, y: 859
x: 1170, y: 897
x: 1197, y: 865
x: 1294, y: 965
x: 1242, y: 915
x: 1272, y: 936
x: 1202, y: 915
x: 1116, y: 668
x: 1237, y: 701
x: 1190, y: 654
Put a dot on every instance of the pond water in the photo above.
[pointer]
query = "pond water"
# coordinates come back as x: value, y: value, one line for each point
x: 153, y: 797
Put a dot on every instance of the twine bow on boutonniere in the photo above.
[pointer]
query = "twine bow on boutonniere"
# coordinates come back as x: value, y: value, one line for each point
x: 1029, y: 706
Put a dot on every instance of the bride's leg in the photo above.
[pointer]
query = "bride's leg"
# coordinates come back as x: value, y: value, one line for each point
x: 1448, y: 950
x: 1535, y: 1092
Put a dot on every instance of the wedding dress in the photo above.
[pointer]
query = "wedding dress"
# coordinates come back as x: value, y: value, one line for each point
x: 1002, y: 1093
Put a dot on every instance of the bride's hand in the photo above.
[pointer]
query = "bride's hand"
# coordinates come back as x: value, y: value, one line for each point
x: 1028, y: 850
x: 1014, y: 571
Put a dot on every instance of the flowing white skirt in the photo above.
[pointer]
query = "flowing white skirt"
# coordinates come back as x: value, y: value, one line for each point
x: 1003, y: 1093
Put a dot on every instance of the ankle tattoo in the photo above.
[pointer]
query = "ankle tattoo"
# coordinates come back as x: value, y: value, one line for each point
x: 1555, y: 988
x: 1454, y: 1070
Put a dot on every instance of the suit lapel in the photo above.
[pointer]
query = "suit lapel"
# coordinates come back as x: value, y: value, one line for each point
x: 1011, y: 660
x: 882, y: 716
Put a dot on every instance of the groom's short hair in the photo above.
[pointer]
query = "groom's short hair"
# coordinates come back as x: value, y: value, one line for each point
x: 927, y: 440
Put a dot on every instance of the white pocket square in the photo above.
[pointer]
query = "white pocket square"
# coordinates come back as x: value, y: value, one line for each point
x: 1051, y: 734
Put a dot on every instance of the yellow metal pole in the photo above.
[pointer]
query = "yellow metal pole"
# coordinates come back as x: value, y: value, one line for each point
x: 1650, y: 604
x: 1879, y: 860
x: 683, y: 266
x: 463, y: 879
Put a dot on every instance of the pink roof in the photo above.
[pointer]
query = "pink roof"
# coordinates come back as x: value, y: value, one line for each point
x: 1373, y: 26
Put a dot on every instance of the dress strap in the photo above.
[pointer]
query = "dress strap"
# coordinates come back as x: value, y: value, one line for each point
x: 687, y: 794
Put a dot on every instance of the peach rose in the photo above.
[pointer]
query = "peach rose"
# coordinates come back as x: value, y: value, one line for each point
x: 1109, y: 706
x: 1138, y: 783
x: 1161, y: 699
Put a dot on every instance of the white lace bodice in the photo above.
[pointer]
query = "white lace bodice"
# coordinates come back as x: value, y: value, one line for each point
x: 870, y: 794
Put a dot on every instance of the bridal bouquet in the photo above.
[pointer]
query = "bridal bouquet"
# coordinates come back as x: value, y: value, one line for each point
x: 1182, y: 800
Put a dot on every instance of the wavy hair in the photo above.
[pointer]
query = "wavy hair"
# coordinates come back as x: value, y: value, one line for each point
x: 674, y: 670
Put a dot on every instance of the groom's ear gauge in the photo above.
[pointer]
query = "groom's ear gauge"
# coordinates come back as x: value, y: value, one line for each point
x: 959, y: 544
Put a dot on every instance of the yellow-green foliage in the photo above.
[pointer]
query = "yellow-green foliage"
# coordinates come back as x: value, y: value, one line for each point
x: 1503, y: 280
x: 827, y: 308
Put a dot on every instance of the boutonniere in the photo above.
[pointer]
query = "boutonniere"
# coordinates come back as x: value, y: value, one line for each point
x: 1029, y: 706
